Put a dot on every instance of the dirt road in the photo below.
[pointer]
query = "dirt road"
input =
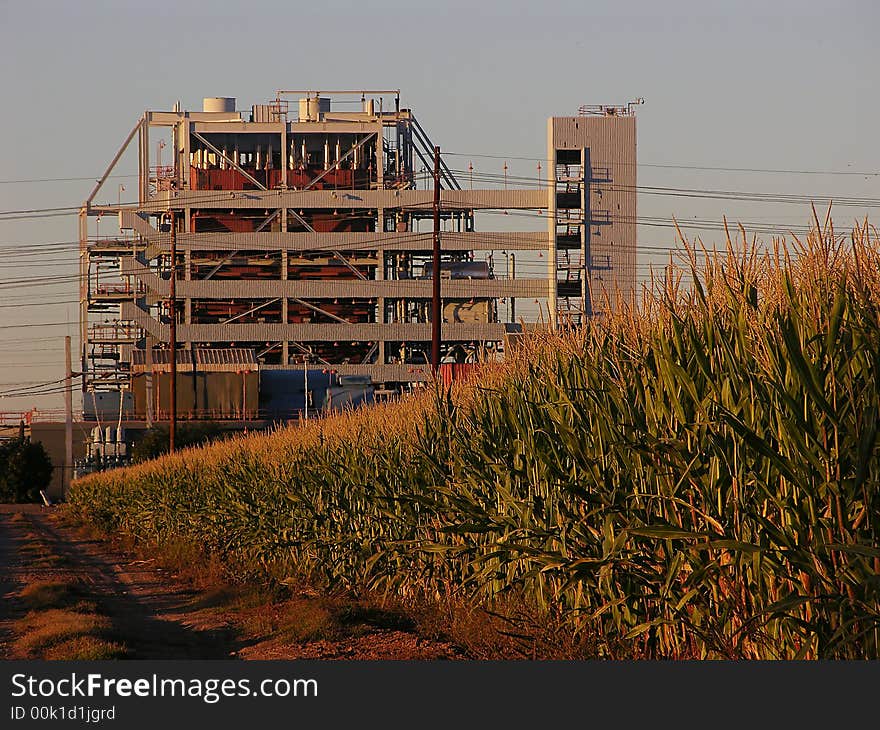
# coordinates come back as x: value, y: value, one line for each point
x: 158, y: 615
x: 148, y: 610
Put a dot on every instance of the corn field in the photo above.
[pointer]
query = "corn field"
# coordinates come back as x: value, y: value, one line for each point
x: 698, y: 478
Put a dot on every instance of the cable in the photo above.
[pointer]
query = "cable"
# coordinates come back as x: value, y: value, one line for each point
x: 676, y: 167
x: 39, y: 210
x: 39, y: 304
x: 22, y: 340
x: 41, y: 281
x: 33, y: 217
x: 741, y: 195
x: 63, y: 179
x: 25, y: 387
x: 36, y: 324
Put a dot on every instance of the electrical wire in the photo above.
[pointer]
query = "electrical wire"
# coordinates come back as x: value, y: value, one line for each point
x: 63, y: 179
x: 34, y: 216
x: 39, y: 210
x: 493, y: 238
x: 25, y: 388
x: 36, y: 324
x: 705, y: 168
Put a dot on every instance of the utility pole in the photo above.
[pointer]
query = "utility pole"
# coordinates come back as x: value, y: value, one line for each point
x: 306, y: 386
x: 511, y: 274
x: 67, y: 472
x: 172, y: 355
x: 148, y: 381
x: 436, y: 304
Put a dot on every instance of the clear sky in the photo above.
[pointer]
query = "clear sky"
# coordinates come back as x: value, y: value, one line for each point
x: 760, y: 85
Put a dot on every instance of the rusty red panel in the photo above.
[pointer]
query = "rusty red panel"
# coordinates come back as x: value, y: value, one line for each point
x: 227, y: 179
x: 458, y: 371
x: 232, y: 179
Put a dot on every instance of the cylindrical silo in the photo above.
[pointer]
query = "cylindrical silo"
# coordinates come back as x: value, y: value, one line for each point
x: 218, y: 104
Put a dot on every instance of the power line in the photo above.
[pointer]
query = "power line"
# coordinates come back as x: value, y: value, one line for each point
x: 39, y: 304
x: 39, y: 210
x: 706, y: 168
x: 63, y: 179
x: 36, y: 324
x: 28, y: 388
x: 222, y: 196
x: 34, y: 216
x: 22, y: 340
x: 740, y: 195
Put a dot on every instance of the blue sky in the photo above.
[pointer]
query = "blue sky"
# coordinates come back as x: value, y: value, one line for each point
x: 773, y: 85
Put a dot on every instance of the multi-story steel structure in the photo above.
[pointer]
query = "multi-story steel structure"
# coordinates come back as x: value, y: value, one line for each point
x: 302, y: 235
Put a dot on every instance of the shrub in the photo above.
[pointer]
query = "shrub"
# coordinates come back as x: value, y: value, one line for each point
x: 25, y: 469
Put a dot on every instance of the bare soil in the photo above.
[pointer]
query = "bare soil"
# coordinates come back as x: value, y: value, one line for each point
x: 158, y: 614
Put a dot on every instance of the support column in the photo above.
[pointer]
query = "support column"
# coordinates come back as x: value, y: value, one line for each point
x: 380, y: 157
x: 284, y: 154
x: 185, y: 162
x: 83, y: 292
x: 380, y: 302
x: 187, y: 276
x: 285, y: 259
x: 285, y: 302
x: 144, y: 161
x: 553, y: 287
x: 380, y: 275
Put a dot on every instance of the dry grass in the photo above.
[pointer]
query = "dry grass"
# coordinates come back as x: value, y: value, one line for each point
x: 41, y: 630
x: 37, y: 547
x: 84, y: 648
x: 50, y: 594
x: 304, y: 620
x: 62, y: 624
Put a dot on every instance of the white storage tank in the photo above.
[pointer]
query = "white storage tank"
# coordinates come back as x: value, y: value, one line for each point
x: 313, y: 108
x: 218, y: 104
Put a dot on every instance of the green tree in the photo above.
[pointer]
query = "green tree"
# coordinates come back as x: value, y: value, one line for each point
x: 25, y: 469
x: 154, y: 442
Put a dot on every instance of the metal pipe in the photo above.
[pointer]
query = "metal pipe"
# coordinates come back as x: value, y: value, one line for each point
x: 251, y: 310
x: 113, y: 162
x: 362, y: 92
x: 240, y: 169
x: 338, y: 161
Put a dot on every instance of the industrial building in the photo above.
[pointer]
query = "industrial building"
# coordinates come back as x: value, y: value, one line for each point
x: 304, y: 247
